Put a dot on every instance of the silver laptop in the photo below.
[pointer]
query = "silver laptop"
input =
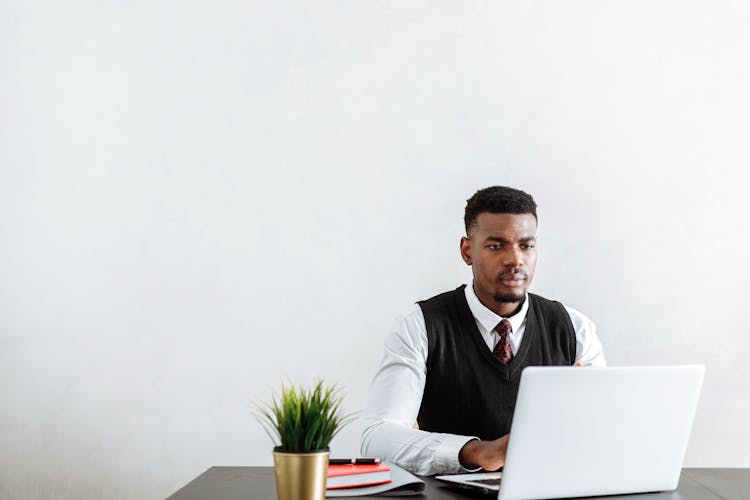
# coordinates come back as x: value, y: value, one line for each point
x: 595, y: 431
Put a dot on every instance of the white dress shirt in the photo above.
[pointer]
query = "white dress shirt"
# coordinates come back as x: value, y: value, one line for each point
x: 396, y: 392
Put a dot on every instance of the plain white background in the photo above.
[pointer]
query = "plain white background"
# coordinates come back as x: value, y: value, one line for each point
x: 199, y: 200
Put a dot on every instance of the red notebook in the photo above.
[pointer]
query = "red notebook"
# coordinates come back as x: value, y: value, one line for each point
x: 352, y: 476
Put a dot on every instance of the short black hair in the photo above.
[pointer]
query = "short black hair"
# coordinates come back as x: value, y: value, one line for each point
x: 498, y: 200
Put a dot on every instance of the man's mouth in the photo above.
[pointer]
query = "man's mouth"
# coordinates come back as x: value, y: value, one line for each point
x: 513, y: 279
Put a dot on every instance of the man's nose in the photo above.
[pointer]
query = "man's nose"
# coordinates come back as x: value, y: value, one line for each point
x: 514, y: 258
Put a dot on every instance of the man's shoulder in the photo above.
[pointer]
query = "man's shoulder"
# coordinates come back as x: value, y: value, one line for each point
x: 413, y: 317
x: 411, y: 314
x: 442, y: 299
x: 408, y: 332
x: 544, y: 301
x: 578, y: 319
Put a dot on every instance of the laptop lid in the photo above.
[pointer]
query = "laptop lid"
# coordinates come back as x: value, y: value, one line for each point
x: 599, y: 431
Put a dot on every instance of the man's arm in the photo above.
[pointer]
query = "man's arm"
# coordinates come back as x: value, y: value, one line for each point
x: 589, y: 350
x: 394, y: 401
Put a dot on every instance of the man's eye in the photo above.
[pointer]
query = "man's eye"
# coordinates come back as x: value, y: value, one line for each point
x: 527, y: 247
x: 494, y: 247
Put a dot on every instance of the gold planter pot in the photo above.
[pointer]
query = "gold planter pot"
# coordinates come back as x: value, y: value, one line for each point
x: 300, y: 475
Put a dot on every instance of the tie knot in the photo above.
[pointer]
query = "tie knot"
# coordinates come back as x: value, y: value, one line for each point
x: 504, y: 327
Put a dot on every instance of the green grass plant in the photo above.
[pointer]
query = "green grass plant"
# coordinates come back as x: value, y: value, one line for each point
x: 303, y: 419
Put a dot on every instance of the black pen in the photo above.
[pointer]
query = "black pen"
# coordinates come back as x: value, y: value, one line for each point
x: 354, y: 461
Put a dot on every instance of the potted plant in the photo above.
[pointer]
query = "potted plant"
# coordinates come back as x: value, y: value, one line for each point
x: 302, y: 422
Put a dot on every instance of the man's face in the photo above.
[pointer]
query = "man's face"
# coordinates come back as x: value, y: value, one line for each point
x: 501, y: 249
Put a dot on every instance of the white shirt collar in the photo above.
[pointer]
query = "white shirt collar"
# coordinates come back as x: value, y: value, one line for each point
x: 487, y: 318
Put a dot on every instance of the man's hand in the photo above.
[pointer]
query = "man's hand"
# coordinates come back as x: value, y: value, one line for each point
x: 489, y: 455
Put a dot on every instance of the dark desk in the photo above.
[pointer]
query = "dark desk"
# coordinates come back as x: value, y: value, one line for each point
x: 230, y: 483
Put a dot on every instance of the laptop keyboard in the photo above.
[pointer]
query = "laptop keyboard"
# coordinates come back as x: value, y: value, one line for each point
x: 494, y: 481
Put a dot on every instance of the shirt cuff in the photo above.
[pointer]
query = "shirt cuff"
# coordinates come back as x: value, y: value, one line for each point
x: 447, y: 453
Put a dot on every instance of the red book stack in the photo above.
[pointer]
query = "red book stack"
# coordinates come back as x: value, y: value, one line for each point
x: 353, y: 476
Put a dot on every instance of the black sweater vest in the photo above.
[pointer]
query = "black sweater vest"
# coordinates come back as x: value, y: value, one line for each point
x: 470, y: 392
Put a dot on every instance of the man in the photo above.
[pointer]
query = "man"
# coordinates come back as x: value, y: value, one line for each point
x: 443, y: 398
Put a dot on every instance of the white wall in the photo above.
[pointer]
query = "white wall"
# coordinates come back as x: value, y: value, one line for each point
x: 199, y: 200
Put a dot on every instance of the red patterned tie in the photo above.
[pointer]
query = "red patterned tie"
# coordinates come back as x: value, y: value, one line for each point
x: 502, y: 348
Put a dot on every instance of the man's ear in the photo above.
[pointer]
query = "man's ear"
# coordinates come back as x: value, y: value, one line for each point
x: 466, y: 250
